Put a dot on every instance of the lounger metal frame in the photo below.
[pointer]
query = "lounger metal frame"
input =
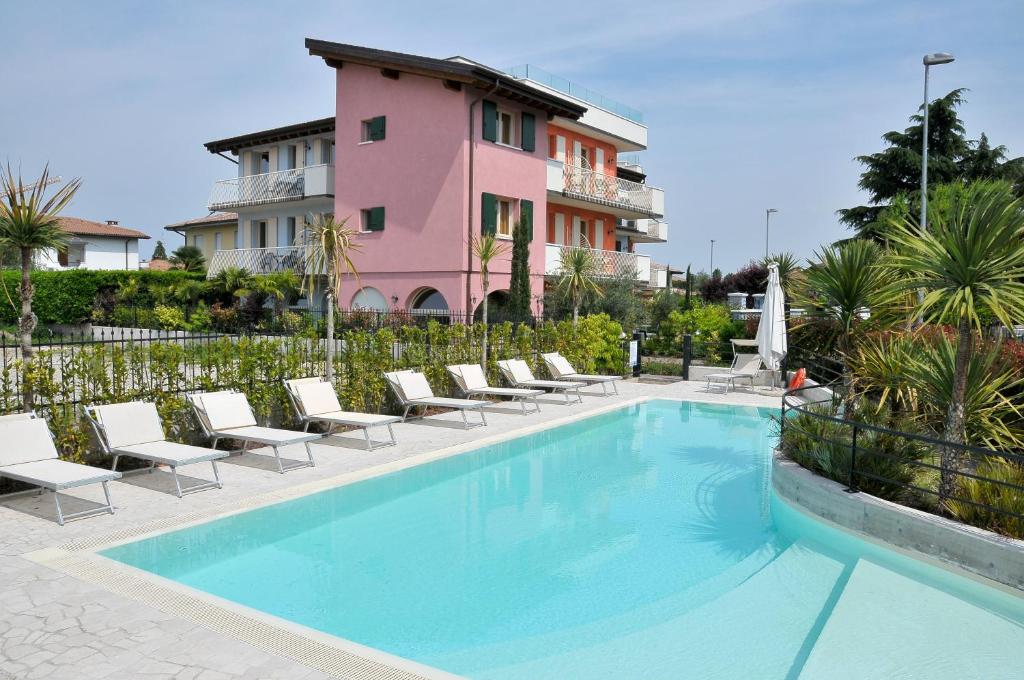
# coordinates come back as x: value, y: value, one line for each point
x: 107, y: 509
x: 564, y: 388
x: 217, y: 435
x: 411, y: 404
x: 484, y: 391
x: 181, y: 491
x: 583, y: 378
x: 308, y: 420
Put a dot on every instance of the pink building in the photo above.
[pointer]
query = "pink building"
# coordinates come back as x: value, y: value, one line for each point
x: 423, y: 155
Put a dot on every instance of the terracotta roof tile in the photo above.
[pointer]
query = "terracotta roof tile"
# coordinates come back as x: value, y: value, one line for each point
x: 76, y: 225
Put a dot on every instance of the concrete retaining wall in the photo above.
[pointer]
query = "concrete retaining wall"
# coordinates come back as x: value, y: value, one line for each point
x: 978, y: 551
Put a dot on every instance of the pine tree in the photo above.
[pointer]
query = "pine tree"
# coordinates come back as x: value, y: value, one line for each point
x: 519, y: 292
x: 159, y: 253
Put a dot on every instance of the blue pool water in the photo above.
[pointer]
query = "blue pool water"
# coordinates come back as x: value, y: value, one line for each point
x: 641, y: 543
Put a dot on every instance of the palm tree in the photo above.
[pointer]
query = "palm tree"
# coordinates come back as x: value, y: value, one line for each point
x: 29, y: 224
x: 189, y: 258
x: 578, y: 277
x: 968, y: 264
x: 486, y: 248
x: 330, y: 245
x: 233, y: 282
x: 280, y: 286
x: 188, y: 292
x: 791, y: 274
x: 847, y: 285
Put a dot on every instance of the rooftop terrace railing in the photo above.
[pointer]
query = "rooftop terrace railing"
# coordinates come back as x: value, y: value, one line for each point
x: 539, y: 75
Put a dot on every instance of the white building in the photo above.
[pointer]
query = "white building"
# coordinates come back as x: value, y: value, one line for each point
x: 95, y: 245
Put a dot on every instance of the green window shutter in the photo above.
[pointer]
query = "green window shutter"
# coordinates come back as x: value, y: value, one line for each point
x: 377, y: 127
x: 526, y: 215
x: 529, y: 132
x: 488, y: 214
x: 376, y: 219
x: 490, y: 110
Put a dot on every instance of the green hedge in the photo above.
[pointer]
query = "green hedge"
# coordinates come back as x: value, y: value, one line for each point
x: 68, y: 297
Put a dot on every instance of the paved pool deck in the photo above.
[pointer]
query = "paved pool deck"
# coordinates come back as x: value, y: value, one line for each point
x: 55, y: 625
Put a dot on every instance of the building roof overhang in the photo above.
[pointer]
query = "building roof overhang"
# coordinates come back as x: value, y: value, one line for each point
x: 453, y: 72
x: 280, y: 134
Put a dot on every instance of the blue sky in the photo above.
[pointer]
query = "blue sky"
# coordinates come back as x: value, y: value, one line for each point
x: 751, y: 103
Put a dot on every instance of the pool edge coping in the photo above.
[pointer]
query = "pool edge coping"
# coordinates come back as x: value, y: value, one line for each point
x: 80, y: 558
x: 953, y: 546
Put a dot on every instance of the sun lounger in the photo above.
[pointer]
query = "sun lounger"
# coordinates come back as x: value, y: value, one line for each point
x: 412, y: 390
x: 28, y: 455
x: 227, y: 415
x: 518, y: 373
x: 744, y: 367
x: 471, y: 380
x: 134, y: 429
x: 315, y: 401
x: 561, y: 369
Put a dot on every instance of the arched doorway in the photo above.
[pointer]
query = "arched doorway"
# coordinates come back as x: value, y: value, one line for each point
x: 427, y: 300
x: 369, y: 298
x: 497, y: 305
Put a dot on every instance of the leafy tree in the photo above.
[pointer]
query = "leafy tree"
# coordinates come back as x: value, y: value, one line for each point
x: 189, y: 258
x: 896, y: 170
x: 519, y: 293
x: 29, y: 224
x: 159, y: 252
x: 970, y: 264
x: 689, y: 289
x: 330, y: 245
x: 750, y: 279
x: 713, y: 288
x: 486, y: 248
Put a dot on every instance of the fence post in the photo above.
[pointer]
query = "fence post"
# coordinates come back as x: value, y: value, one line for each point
x: 639, y: 354
x: 852, y: 486
x: 687, y: 355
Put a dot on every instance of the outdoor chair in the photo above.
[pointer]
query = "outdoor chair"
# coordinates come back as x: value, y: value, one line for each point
x: 744, y: 367
x: 227, y: 415
x: 315, y: 401
x: 29, y: 455
x: 471, y: 380
x: 134, y: 429
x: 561, y: 369
x: 412, y: 390
x: 518, y: 374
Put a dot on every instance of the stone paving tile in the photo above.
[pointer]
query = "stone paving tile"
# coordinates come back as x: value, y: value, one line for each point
x: 53, y: 626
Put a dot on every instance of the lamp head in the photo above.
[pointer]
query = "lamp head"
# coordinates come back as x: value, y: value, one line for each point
x: 938, y: 58
x: 773, y: 210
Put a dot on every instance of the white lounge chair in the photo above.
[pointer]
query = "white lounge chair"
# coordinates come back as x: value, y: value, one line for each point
x: 744, y: 367
x: 517, y: 372
x: 471, y: 380
x: 134, y: 429
x: 315, y: 401
x: 561, y: 369
x: 227, y: 415
x: 28, y: 455
x: 412, y: 390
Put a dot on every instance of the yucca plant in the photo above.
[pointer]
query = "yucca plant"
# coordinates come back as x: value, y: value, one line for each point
x: 329, y: 249
x: 578, y: 277
x: 30, y: 224
x: 486, y: 248
x: 1002, y: 488
x: 878, y: 363
x: 968, y: 264
x: 791, y: 274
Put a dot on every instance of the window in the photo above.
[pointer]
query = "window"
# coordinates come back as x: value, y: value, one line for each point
x: 259, y: 234
x: 505, y: 219
x: 327, y: 151
x: 263, y: 162
x: 373, y: 129
x: 372, y: 219
x: 197, y: 241
x: 307, y: 154
x: 235, y: 237
x: 292, y: 157
x: 217, y: 241
x: 506, y: 128
x: 289, y: 232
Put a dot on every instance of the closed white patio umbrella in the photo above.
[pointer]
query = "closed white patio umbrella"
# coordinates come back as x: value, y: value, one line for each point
x: 771, y: 331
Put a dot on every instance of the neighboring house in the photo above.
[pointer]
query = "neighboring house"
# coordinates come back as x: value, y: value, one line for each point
x: 217, y: 231
x: 95, y: 245
x: 432, y: 152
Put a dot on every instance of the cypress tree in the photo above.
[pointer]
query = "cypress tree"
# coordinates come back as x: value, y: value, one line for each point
x: 519, y: 288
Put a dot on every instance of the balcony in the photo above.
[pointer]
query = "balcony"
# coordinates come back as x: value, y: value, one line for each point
x: 645, y: 231
x: 610, y: 264
x: 272, y: 187
x: 259, y: 260
x: 584, y: 188
x: 660, y: 276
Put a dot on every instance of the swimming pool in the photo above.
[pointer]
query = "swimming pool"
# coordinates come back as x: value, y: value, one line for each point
x: 640, y: 543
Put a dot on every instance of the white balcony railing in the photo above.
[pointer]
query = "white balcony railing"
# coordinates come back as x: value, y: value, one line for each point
x: 272, y: 187
x: 608, y: 190
x: 610, y: 263
x: 655, y: 229
x: 260, y: 260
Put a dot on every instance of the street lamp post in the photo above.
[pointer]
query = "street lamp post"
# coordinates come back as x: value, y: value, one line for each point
x: 929, y: 60
x: 712, y: 271
x: 767, y: 220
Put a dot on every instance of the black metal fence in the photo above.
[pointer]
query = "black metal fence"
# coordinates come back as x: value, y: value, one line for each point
x: 979, y: 486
